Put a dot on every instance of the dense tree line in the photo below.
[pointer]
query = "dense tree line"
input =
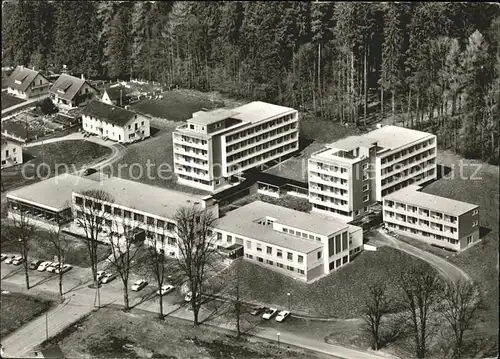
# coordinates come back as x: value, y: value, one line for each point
x: 432, y: 66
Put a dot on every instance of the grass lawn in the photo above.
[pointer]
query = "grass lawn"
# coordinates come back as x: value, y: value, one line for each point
x: 104, y: 334
x: 340, y: 294
x: 18, y: 309
x: 481, y: 260
x: 73, y: 154
x: 176, y: 105
x: 9, y: 100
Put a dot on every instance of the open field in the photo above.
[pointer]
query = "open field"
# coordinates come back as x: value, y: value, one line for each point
x: 481, y: 260
x: 111, y: 333
x: 176, y: 105
x: 340, y: 294
x: 18, y: 309
x: 9, y: 100
x: 57, y: 155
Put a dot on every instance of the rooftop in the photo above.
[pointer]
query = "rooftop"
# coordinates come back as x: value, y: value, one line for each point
x: 412, y: 195
x: 257, y: 111
x: 207, y: 118
x: 393, y: 137
x: 150, y: 199
x: 53, y: 193
x: 242, y: 221
x: 67, y: 86
x: 21, y: 78
x: 114, y: 92
x: 109, y: 113
x: 351, y: 143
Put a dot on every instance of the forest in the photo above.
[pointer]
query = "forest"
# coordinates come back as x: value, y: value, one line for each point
x: 426, y: 65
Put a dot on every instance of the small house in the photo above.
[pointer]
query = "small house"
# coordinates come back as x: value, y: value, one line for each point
x: 70, y: 92
x: 25, y: 83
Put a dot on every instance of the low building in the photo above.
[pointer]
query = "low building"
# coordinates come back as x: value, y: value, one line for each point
x: 46, y: 203
x: 70, y: 92
x: 25, y: 83
x: 114, y: 122
x: 213, y: 148
x: 116, y: 95
x: 12, y: 150
x: 140, y: 206
x: 439, y: 221
x: 302, y: 245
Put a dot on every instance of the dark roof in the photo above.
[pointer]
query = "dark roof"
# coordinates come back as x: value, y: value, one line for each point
x: 109, y: 113
x: 23, y: 75
x: 53, y: 352
x: 66, y: 86
x: 15, y: 129
x: 7, y: 137
x: 114, y: 92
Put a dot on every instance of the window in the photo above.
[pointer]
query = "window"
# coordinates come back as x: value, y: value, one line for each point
x: 229, y: 239
x: 366, y: 198
x: 117, y: 211
x: 356, y: 213
x: 475, y: 223
x: 344, y: 241
x: 269, y: 262
x: 337, y: 244
x: 260, y: 259
x: 170, y: 226
x: 285, y: 230
x: 365, y: 176
x: 289, y: 256
x: 304, y: 235
x: 319, y: 254
x: 365, y: 166
x: 292, y: 231
x: 107, y: 208
x: 476, y: 211
x: 279, y: 265
x: 300, y: 259
x: 366, y: 187
x: 171, y: 241
x: 344, y: 260
x: 269, y: 250
x: 298, y: 233
x: 279, y: 253
x: 311, y: 237
x: 338, y: 263
x: 318, y: 238
x: 469, y: 240
x: 290, y: 268
x: 79, y: 200
x: 301, y: 271
x: 138, y: 217
x: 219, y: 236
x: 249, y: 256
x: 259, y: 247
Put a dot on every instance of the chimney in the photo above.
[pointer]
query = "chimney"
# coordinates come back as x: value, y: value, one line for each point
x: 33, y: 68
x: 83, y: 78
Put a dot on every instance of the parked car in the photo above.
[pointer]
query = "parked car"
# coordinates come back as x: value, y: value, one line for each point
x: 4, y: 256
x: 165, y: 289
x: 52, y: 267
x: 35, y: 264
x: 17, y: 260
x: 257, y: 310
x: 108, y: 277
x: 64, y: 268
x: 188, y: 296
x: 269, y: 313
x: 282, y: 315
x: 137, y: 286
x: 89, y: 171
x: 9, y: 259
x: 43, y: 266
x: 100, y: 274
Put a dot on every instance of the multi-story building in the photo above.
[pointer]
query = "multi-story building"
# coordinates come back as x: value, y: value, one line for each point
x: 138, y: 206
x: 351, y: 174
x: 341, y: 177
x: 436, y: 220
x: 212, y: 148
x: 26, y: 83
x: 115, y: 123
x: 404, y: 157
x: 303, y: 245
x: 12, y: 150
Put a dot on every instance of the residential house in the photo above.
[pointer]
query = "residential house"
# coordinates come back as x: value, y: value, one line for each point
x: 116, y: 95
x: 12, y: 150
x: 26, y: 83
x: 70, y: 92
x: 115, y: 123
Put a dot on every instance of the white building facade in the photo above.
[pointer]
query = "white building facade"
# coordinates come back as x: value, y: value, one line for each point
x: 12, y: 150
x: 212, y: 148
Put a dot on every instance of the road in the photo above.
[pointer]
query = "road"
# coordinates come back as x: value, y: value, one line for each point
x: 21, y: 105
x: 80, y: 300
x: 444, y: 267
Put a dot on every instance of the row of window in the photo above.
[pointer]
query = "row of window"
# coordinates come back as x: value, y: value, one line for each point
x: 301, y: 234
x: 407, y: 151
x: 193, y: 179
x: 409, y: 171
x: 338, y: 244
x: 326, y: 188
x: 195, y: 151
x: 422, y: 222
x: 191, y: 140
x: 259, y: 128
x: 278, y: 264
x: 338, y: 263
x: 328, y: 178
x: 189, y: 159
x: 262, y: 157
x: 192, y: 170
x: 329, y: 168
x: 271, y: 251
x: 328, y: 199
x: 396, y: 168
x: 406, y: 182
x: 422, y: 233
x: 330, y: 209
x: 261, y: 147
x: 416, y: 158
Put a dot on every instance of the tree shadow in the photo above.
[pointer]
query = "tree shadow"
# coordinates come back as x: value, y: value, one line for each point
x: 442, y: 171
x: 12, y: 273
x: 304, y: 142
x: 153, y: 131
x: 144, y: 299
x: 77, y: 287
x: 44, y: 280
x: 483, y: 231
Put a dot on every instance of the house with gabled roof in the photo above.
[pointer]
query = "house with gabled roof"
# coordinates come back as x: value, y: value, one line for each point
x: 69, y: 92
x: 25, y: 83
x: 115, y: 123
x: 12, y: 150
x: 116, y: 95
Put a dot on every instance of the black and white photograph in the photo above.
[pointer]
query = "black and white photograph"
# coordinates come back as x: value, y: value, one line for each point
x: 250, y: 179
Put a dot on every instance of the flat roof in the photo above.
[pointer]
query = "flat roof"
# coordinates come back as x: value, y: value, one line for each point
x: 241, y: 221
x: 258, y: 111
x: 146, y: 198
x: 394, y: 136
x: 351, y: 143
x: 53, y: 193
x: 209, y: 117
x: 413, y: 196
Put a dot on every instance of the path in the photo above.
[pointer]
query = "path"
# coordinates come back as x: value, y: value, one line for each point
x: 80, y: 301
x: 445, y: 268
x: 22, y: 104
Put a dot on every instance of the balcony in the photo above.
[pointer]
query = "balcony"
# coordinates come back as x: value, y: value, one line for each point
x: 262, y: 131
x: 190, y: 143
x: 190, y: 153
x: 409, y: 155
x: 261, y: 141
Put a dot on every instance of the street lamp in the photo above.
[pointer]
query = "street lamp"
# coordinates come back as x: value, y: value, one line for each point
x: 289, y: 306
x: 278, y: 340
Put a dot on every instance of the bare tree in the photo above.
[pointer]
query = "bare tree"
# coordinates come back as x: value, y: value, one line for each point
x: 58, y: 244
x: 125, y: 241
x: 21, y: 232
x: 377, y: 304
x: 197, y: 251
x: 421, y: 287
x: 91, y: 216
x: 461, y: 301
